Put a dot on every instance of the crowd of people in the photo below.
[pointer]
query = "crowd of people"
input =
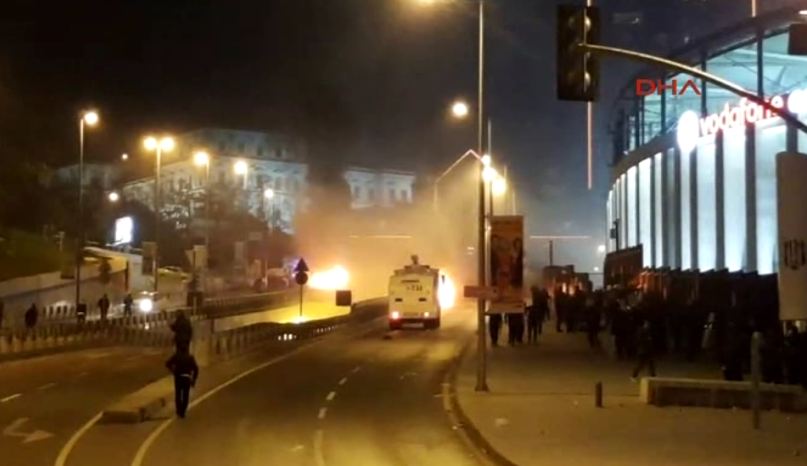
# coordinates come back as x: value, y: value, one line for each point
x: 643, y: 325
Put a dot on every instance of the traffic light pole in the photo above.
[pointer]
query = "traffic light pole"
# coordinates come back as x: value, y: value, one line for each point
x: 717, y: 81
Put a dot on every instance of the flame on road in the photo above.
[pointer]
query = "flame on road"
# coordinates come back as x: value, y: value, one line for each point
x: 335, y: 278
x: 446, y: 292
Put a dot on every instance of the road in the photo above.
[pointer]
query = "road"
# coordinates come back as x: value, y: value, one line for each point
x: 362, y: 396
x: 56, y: 394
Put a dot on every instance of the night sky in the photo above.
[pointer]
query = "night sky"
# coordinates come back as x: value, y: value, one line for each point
x: 364, y: 81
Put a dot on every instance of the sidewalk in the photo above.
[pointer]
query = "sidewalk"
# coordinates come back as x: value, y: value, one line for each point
x: 540, y: 411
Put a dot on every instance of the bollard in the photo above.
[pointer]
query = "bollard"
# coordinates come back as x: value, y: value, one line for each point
x: 598, y: 395
x: 756, y: 340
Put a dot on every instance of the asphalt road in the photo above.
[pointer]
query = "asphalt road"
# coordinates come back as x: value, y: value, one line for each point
x: 44, y: 400
x: 347, y: 400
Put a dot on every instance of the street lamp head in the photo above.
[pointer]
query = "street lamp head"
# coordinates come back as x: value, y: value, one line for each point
x: 113, y: 196
x: 90, y: 118
x: 460, y: 109
x: 124, y: 157
x: 601, y: 249
x: 269, y: 193
x: 486, y: 160
x: 150, y: 143
x: 489, y: 174
x: 240, y: 167
x: 499, y: 186
x: 167, y: 144
x: 201, y: 159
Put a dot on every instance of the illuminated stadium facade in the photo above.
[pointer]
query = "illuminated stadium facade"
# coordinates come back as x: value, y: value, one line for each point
x: 694, y: 179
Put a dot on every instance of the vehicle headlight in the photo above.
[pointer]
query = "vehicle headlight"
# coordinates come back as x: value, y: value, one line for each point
x: 146, y: 305
x: 395, y: 315
x: 426, y: 314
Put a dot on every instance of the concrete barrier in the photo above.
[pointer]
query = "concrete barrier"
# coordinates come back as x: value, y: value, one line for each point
x: 664, y: 391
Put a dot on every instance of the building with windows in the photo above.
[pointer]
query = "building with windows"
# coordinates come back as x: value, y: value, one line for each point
x: 694, y: 177
x: 274, y: 164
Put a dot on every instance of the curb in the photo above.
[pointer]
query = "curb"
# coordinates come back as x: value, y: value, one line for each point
x: 465, y: 428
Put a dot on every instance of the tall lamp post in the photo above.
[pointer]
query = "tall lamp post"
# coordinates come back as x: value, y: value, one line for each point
x: 481, y: 353
x: 158, y: 146
x: 88, y: 118
x: 202, y: 159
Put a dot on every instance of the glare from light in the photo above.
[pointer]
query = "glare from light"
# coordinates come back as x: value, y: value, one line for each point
x: 596, y: 269
x: 146, y: 305
x: 688, y: 131
x: 90, y: 118
x: 269, y: 193
x: 299, y: 319
x: 167, y: 144
x: 124, y: 228
x: 489, y: 174
x: 335, y: 278
x: 426, y: 2
x: 201, y: 158
x: 124, y: 157
x: 601, y: 249
x: 446, y: 292
x: 460, y: 109
x: 499, y: 186
x: 803, y: 12
x: 240, y: 167
x: 486, y: 160
x: 113, y: 196
x: 395, y: 315
x: 150, y: 143
x: 426, y: 314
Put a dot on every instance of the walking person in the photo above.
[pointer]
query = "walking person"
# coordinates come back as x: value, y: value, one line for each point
x: 31, y: 316
x: 644, y: 351
x: 103, y: 306
x: 185, y: 370
x: 515, y: 328
x: 560, y: 308
x: 593, y: 316
x: 494, y: 324
x: 183, y: 332
x: 128, y: 302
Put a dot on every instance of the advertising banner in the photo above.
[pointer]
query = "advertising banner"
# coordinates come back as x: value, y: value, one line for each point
x: 791, y: 171
x: 506, y: 262
x: 149, y: 252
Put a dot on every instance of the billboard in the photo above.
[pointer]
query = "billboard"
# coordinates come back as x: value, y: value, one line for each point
x: 124, y: 229
x: 506, y: 262
x: 791, y: 171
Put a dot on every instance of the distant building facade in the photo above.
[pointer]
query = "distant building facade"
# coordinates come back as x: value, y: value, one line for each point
x: 274, y: 162
x: 99, y: 174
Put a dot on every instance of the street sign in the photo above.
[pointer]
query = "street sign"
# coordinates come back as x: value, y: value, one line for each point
x: 481, y: 292
x: 301, y: 266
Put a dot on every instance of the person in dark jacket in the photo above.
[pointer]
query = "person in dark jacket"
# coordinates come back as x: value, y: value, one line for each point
x: 183, y: 331
x: 128, y: 302
x: 792, y: 343
x: 103, y: 306
x: 31, y: 316
x: 515, y: 328
x: 561, y: 300
x: 644, y: 351
x: 185, y: 370
x: 494, y: 324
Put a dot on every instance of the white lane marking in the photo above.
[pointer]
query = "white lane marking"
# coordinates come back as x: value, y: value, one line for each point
x: 141, y: 451
x: 61, y: 460
x: 322, y: 413
x: 10, y: 397
x: 13, y: 430
x: 355, y: 369
x: 319, y: 458
x: 343, y: 381
x: 331, y: 396
x: 47, y: 386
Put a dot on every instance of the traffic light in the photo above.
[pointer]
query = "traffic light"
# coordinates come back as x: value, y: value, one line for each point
x: 797, y: 39
x: 578, y: 72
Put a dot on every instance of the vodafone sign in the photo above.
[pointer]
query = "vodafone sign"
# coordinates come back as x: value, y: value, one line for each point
x: 691, y: 126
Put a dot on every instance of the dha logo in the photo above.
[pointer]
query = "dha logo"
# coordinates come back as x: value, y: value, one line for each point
x: 645, y: 87
x: 691, y: 126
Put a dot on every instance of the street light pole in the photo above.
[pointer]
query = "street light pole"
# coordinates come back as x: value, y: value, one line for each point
x: 90, y: 118
x: 157, y: 219
x: 481, y: 353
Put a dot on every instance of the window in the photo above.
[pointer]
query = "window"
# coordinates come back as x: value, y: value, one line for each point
x: 738, y: 66
x: 630, y: 233
x: 770, y: 141
x: 676, y: 105
x: 658, y: 240
x: 734, y: 228
x: 707, y: 204
x: 686, y: 212
x: 781, y: 72
x: 645, y: 220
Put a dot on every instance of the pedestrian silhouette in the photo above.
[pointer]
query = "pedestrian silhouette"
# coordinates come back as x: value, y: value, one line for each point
x: 31, y: 316
x: 185, y: 370
x: 183, y: 331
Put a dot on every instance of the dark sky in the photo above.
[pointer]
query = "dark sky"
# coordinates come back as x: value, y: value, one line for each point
x: 364, y: 81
